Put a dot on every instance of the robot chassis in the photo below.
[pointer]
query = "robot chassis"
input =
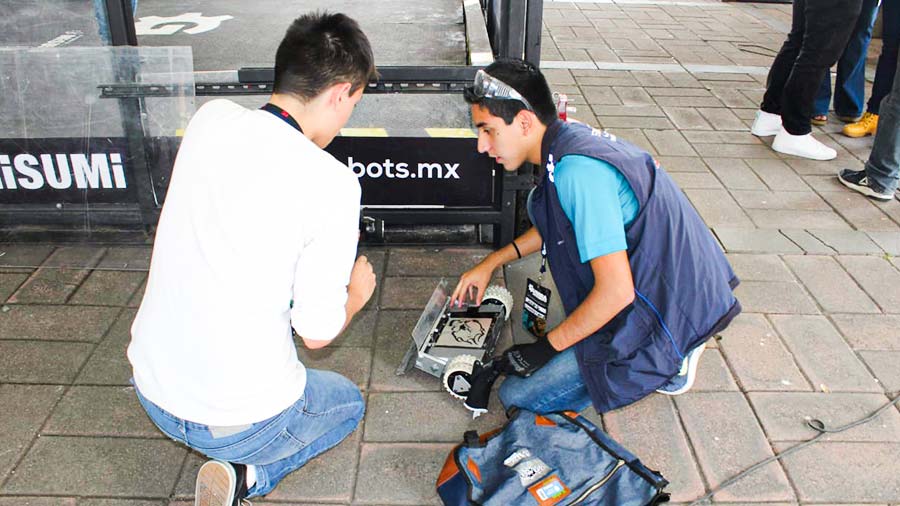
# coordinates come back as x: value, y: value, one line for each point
x: 447, y: 341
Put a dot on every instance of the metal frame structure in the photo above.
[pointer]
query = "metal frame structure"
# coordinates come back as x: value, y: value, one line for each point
x: 514, y: 30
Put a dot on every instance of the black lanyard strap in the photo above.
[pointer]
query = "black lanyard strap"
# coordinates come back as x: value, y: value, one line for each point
x: 283, y: 115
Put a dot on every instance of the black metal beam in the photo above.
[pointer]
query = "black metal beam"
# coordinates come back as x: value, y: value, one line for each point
x: 120, y: 18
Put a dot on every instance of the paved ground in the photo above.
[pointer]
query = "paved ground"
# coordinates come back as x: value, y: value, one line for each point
x: 819, y: 337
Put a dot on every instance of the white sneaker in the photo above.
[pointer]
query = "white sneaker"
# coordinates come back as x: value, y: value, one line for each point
x: 802, y: 145
x: 766, y: 124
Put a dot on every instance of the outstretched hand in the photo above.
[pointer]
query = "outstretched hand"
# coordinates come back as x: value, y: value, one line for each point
x: 472, y: 285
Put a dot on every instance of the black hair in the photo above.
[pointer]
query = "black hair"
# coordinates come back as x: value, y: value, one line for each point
x: 320, y: 50
x: 528, y: 81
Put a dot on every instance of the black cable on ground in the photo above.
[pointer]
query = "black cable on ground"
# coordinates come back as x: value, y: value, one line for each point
x: 816, y: 425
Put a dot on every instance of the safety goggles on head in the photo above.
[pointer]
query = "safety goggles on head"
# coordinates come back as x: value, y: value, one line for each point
x: 487, y: 86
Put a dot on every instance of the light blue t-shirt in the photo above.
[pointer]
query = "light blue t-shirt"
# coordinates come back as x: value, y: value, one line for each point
x: 598, y: 201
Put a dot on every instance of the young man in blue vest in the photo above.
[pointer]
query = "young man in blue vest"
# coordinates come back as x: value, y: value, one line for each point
x: 642, y: 281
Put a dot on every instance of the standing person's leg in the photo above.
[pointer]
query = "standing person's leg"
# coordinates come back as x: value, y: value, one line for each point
x: 555, y: 387
x: 880, y: 176
x: 824, y: 39
x: 887, y: 62
x: 850, y: 90
x: 823, y: 101
x: 768, y: 118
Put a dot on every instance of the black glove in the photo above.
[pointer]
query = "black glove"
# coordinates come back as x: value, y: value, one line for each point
x: 523, y: 359
x: 483, y: 379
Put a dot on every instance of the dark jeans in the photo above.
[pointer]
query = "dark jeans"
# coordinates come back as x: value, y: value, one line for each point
x: 887, y: 62
x: 883, y: 167
x: 820, y: 30
x: 850, y: 79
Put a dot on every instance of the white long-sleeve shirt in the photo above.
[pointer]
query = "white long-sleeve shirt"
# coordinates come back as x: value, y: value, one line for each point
x: 256, y: 216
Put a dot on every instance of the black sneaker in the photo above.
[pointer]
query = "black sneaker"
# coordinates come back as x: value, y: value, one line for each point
x: 857, y: 180
x: 220, y: 484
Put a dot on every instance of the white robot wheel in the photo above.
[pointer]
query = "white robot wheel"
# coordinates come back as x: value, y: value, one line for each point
x: 457, y: 378
x: 501, y: 295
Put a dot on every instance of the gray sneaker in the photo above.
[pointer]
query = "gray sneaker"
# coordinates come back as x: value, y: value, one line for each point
x: 684, y: 380
x: 858, y: 180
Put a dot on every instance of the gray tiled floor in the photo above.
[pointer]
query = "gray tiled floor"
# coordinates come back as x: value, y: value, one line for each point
x: 819, y: 336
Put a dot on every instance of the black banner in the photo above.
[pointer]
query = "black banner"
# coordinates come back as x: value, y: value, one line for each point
x: 418, y: 171
x: 67, y: 170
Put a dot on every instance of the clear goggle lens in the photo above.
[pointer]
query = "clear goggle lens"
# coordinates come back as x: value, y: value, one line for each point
x: 487, y: 86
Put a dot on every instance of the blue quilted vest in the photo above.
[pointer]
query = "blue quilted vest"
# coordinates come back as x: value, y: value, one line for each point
x: 683, y: 283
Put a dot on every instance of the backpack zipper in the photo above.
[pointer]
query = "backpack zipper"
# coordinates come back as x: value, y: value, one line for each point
x: 593, y: 488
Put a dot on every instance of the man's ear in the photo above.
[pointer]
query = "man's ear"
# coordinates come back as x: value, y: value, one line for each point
x: 338, y: 93
x: 526, y: 120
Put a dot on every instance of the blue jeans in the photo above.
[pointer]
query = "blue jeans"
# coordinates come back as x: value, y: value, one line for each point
x: 555, y: 387
x: 887, y: 61
x: 329, y: 410
x: 850, y: 92
x: 883, y: 166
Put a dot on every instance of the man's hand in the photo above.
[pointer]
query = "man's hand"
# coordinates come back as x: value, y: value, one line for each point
x: 473, y: 283
x: 523, y: 359
x: 362, y: 285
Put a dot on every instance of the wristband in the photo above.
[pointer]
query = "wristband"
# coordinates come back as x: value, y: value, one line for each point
x: 515, y: 247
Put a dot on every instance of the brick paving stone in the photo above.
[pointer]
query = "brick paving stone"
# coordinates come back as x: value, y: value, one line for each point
x: 108, y: 364
x: 108, y: 288
x: 884, y: 365
x: 602, y: 111
x: 682, y: 164
x: 758, y: 357
x: 56, y: 323
x: 410, y: 417
x: 784, y: 416
x: 735, y: 174
x: 848, y: 242
x: 730, y: 442
x: 37, y: 501
x: 132, y: 258
x: 412, y: 470
x: 323, y: 479
x: 828, y: 169
x: 636, y: 137
x: 434, y: 262
x: 393, y: 335
x: 669, y: 142
x: 720, y: 137
x: 677, y: 92
x: 361, y: 331
x: 878, y: 277
x: 857, y: 210
x: 14, y: 257
x: 721, y: 118
x: 101, y: 411
x: 688, y: 101
x: 734, y: 98
x: 650, y: 78
x: 734, y: 150
x: 49, y: 286
x: 823, y: 355
x: 686, y: 118
x: 830, y: 284
x: 41, y: 362
x: 808, y: 242
x: 759, y: 267
x: 407, y: 293
x: 631, y: 121
x: 869, y: 332
x: 713, y: 374
x: 558, y: 76
x: 845, y: 472
x: 887, y: 241
x: 824, y: 183
x: 24, y: 409
x: 75, y: 257
x: 750, y: 240
x: 696, y: 180
x: 9, y: 282
x: 777, y: 175
x: 118, y: 502
x: 98, y: 466
x: 803, y: 201
x: 352, y: 363
x: 633, y: 96
x: 651, y: 428
x: 718, y: 208
x: 793, y: 219
x: 139, y: 295
x: 776, y: 297
x: 600, y: 95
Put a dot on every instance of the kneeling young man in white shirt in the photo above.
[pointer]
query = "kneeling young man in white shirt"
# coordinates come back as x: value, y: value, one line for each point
x: 258, y: 234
